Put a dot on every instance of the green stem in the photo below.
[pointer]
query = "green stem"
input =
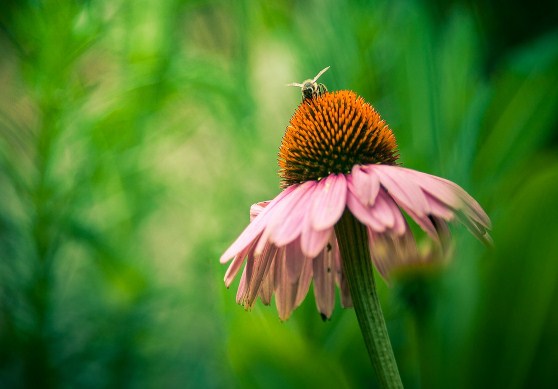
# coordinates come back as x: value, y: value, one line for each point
x: 357, y: 266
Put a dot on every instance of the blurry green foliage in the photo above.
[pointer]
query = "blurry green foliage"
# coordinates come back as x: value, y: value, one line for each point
x: 135, y: 135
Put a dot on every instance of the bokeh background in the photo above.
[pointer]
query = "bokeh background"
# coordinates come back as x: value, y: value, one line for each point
x: 135, y: 135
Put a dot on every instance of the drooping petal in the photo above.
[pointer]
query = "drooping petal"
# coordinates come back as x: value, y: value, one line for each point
x: 328, y: 202
x: 257, y: 208
x: 285, y: 224
x: 424, y: 222
x: 389, y: 251
x: 242, y: 286
x: 257, y: 268
x: 304, y: 281
x: 405, y: 192
x: 364, y: 184
x: 479, y: 230
x: 451, y: 194
x: 262, y: 243
x: 363, y: 213
x: 444, y: 234
x: 382, y: 210
x: 268, y: 284
x: 255, y: 228
x: 439, y: 209
x: 340, y: 279
x: 285, y: 293
x: 467, y: 209
x: 399, y: 224
x: 313, y: 241
x: 292, y: 279
x: 324, y: 282
x: 432, y: 185
x: 236, y: 264
x: 295, y: 261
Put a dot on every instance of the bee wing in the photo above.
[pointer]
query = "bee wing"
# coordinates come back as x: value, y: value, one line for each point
x: 295, y: 84
x: 319, y: 74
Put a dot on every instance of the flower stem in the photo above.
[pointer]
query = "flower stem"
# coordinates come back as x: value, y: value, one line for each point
x: 357, y: 266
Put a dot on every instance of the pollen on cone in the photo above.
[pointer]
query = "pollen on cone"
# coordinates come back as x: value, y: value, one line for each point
x: 332, y: 133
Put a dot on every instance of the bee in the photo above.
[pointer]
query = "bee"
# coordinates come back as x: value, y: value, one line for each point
x: 310, y: 88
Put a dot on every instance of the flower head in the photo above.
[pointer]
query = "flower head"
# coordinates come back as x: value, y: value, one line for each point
x: 338, y: 154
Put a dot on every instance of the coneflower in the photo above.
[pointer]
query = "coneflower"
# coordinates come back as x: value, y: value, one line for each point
x: 340, y: 211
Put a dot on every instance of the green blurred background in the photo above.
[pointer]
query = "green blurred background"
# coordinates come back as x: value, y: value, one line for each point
x: 134, y: 136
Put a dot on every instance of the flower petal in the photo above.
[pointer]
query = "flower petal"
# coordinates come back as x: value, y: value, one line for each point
x: 451, y: 194
x: 312, y: 241
x: 295, y: 261
x: 404, y: 191
x: 364, y: 184
x: 268, y: 284
x: 439, y: 209
x: 292, y: 279
x: 286, y: 223
x: 253, y: 230
x: 390, y: 251
x: 304, y: 281
x: 285, y: 293
x: 340, y: 279
x: 257, y: 268
x: 328, y: 202
x: 235, y: 265
x: 363, y: 213
x: 324, y: 282
x: 257, y: 208
x: 434, y: 186
x: 382, y: 210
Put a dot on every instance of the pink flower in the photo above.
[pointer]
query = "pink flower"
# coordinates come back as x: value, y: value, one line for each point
x: 291, y: 239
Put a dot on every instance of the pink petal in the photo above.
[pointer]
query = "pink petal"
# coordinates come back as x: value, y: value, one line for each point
x: 382, y: 210
x: 285, y: 291
x: 268, y: 284
x: 340, y: 279
x: 293, y: 276
x: 235, y: 265
x: 431, y: 184
x: 257, y: 208
x: 363, y: 213
x: 424, y: 222
x: 242, y: 286
x: 364, y: 184
x: 468, y: 210
x: 262, y: 243
x: 390, y: 251
x: 399, y: 224
x: 328, y: 202
x: 408, y: 195
x: 312, y: 241
x: 254, y: 229
x: 404, y: 191
x: 295, y: 261
x: 451, y: 194
x: 257, y: 269
x: 304, y: 281
x: 286, y: 223
x: 324, y: 283
x: 438, y: 208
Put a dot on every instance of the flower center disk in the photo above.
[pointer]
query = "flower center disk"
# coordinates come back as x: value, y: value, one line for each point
x: 330, y: 134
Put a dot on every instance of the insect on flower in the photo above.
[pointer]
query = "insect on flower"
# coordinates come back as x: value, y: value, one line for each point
x: 310, y: 88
